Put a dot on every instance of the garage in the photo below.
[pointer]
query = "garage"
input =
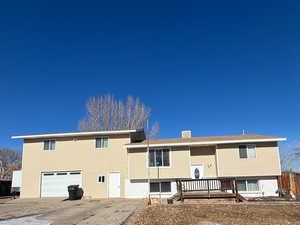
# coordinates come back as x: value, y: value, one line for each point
x: 55, y: 184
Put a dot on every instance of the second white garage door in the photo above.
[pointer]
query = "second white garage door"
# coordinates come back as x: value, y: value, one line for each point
x: 55, y: 184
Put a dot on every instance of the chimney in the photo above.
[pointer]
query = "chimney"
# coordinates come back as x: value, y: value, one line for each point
x: 186, y: 134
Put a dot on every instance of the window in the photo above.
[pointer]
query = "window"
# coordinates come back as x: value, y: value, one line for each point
x: 154, y: 187
x: 241, y: 185
x: 164, y: 187
x: 247, y: 151
x: 102, y: 142
x: 247, y: 185
x: 159, y: 158
x: 252, y: 185
x: 243, y: 151
x: 49, y: 145
x: 101, y: 179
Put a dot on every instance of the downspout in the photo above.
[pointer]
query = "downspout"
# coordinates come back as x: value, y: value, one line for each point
x: 217, y: 160
x: 148, y: 151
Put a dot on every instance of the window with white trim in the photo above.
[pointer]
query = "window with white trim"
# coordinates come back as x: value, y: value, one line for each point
x: 164, y: 187
x: 247, y: 185
x: 102, y: 142
x: 247, y: 151
x: 159, y: 158
x: 49, y: 145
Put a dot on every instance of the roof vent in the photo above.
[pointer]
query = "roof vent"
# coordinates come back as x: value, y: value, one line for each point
x: 186, y: 134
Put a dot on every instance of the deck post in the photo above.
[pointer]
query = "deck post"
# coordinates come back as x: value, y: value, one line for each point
x: 232, y: 184
x: 235, y: 189
x: 208, y: 189
x: 179, y: 189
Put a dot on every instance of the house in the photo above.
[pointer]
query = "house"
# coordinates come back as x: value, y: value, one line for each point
x: 109, y: 164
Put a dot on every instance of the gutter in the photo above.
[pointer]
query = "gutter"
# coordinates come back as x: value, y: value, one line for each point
x: 74, y: 134
x: 205, y: 143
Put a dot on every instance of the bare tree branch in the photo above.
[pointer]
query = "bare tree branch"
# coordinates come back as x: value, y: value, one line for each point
x: 154, y: 130
x: 290, y: 158
x: 9, y: 160
x: 107, y: 113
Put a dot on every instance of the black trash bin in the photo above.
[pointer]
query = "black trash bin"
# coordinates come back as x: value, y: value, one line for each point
x: 75, y: 192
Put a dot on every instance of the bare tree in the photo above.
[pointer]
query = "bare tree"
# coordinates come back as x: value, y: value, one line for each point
x: 154, y: 130
x: 107, y: 113
x: 297, y: 150
x: 9, y: 160
x: 290, y: 158
x: 288, y: 162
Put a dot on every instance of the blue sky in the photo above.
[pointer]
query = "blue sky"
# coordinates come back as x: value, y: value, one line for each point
x: 215, y: 68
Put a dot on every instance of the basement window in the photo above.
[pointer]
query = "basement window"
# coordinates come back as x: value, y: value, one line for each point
x: 247, y: 185
x: 165, y: 187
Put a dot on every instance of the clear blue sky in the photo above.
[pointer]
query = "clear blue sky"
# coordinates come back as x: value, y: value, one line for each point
x: 215, y: 68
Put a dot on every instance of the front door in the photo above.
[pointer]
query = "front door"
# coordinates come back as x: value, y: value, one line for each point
x: 114, y: 185
x: 197, y: 171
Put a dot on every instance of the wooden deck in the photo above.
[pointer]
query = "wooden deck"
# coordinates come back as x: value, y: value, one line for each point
x: 206, y: 189
x: 205, y: 195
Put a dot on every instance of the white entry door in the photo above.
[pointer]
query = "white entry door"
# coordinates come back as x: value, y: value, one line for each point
x: 55, y: 184
x: 197, y: 171
x: 114, y: 185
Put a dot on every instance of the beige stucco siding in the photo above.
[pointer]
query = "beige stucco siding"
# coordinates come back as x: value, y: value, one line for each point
x: 179, y: 164
x: 80, y: 153
x: 205, y: 155
x: 75, y: 154
x: 266, y: 162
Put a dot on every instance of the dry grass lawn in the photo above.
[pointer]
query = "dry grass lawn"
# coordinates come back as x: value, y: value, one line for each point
x: 225, y: 214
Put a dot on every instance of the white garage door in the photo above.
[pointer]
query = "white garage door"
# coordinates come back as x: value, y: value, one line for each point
x: 55, y: 184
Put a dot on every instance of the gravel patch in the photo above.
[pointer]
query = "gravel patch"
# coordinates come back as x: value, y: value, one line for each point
x: 208, y: 223
x: 225, y: 214
x: 31, y: 220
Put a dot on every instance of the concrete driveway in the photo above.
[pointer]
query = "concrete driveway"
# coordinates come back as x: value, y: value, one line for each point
x: 58, y: 212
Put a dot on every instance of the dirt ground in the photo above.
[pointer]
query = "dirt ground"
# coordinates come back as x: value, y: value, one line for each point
x: 59, y: 212
x: 223, y: 214
x: 3, y: 200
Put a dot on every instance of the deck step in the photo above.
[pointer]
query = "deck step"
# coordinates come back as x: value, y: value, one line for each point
x: 240, y: 198
x: 175, y: 197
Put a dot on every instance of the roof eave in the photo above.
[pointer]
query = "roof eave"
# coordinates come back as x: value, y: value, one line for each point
x: 205, y: 143
x: 75, y: 134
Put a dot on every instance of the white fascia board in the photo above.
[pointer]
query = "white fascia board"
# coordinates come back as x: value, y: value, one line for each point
x: 206, y: 143
x: 75, y: 134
